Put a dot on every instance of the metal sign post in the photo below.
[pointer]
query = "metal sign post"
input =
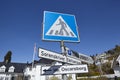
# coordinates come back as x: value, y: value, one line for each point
x: 59, y: 27
x: 64, y: 76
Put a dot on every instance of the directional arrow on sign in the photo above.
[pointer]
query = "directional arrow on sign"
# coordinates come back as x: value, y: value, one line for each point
x: 46, y: 70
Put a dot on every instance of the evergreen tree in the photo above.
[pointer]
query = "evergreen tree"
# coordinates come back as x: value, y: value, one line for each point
x: 7, y: 57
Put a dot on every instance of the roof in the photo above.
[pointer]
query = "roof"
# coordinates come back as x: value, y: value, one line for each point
x: 42, y: 61
x: 45, y: 61
x: 19, y: 67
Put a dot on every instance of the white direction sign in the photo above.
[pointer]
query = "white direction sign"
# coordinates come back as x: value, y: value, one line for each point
x: 65, y: 69
x: 51, y: 55
x: 72, y: 60
x: 80, y: 56
x: 59, y: 26
x: 58, y: 57
x: 86, y: 58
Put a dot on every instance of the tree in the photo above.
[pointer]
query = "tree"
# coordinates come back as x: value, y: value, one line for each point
x: 7, y: 57
x: 54, y: 78
x: 117, y: 49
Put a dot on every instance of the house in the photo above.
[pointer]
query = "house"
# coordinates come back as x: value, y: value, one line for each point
x: 116, y: 66
x: 102, y: 58
x: 25, y: 71
x: 12, y: 71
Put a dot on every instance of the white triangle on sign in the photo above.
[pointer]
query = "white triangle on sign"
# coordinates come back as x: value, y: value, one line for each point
x: 60, y: 28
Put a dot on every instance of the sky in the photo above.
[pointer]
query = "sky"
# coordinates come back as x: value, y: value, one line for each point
x: 21, y: 21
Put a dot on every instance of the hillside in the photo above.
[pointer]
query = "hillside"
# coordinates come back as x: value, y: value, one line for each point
x: 103, y: 63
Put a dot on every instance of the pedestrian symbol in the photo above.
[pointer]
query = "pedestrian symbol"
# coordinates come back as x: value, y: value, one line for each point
x: 60, y: 28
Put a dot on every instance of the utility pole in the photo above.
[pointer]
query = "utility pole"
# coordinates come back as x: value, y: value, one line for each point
x: 99, y: 65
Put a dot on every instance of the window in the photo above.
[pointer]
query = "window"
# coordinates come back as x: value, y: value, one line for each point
x: 11, y: 69
x: 1, y: 78
x: 6, y: 78
x: 2, y: 68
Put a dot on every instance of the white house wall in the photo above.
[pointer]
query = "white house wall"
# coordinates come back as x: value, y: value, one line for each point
x: 117, y: 68
x: 117, y: 72
x: 4, y: 76
x: 38, y: 75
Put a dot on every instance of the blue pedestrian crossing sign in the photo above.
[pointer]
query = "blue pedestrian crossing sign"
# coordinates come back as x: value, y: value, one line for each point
x: 58, y: 27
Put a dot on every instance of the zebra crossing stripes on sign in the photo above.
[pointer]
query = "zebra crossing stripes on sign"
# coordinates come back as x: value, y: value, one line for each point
x: 58, y: 26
